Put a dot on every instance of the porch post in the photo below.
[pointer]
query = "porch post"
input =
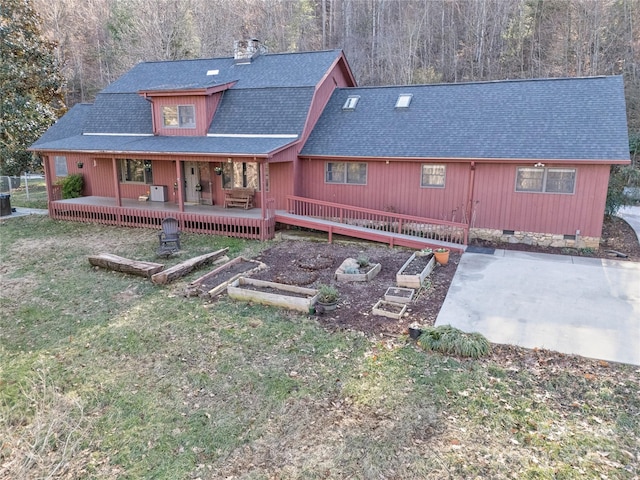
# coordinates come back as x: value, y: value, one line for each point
x: 472, y: 183
x: 116, y: 183
x: 263, y: 207
x: 263, y: 193
x: 47, y: 178
x: 180, y: 183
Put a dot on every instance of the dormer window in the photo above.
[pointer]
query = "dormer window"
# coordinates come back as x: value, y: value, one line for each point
x: 352, y: 101
x: 179, y: 116
x: 404, y: 99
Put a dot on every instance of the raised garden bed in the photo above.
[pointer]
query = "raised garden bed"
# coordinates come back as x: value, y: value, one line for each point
x: 271, y: 293
x: 399, y: 295
x: 389, y: 309
x: 415, y: 270
x: 216, y: 281
x: 350, y: 271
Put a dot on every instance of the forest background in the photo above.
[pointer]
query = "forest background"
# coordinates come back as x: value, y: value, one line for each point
x: 387, y: 42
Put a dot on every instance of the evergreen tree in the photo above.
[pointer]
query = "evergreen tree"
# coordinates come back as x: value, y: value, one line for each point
x: 30, y: 85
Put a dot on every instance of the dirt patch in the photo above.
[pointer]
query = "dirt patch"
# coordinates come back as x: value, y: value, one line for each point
x: 295, y: 262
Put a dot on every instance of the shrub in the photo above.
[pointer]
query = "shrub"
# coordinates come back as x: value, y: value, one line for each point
x: 363, y: 261
x: 327, y: 294
x: 72, y: 186
x: 449, y: 340
x: 620, y: 177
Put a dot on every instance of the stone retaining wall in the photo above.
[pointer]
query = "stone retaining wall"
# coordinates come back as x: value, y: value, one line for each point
x: 533, y: 238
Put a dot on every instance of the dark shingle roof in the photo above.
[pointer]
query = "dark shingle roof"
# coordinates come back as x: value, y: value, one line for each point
x: 167, y: 145
x: 573, y: 118
x: 119, y: 113
x: 268, y: 70
x: 68, y: 125
x: 263, y: 111
x: 272, y: 95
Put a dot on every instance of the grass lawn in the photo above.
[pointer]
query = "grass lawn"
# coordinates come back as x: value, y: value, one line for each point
x: 105, y: 375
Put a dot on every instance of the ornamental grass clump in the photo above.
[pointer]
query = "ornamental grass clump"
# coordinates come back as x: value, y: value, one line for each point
x: 452, y: 341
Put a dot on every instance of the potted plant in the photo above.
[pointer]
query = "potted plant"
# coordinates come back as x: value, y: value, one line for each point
x: 442, y: 255
x: 327, y: 297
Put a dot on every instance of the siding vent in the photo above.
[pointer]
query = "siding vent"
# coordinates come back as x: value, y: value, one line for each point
x: 404, y: 99
x: 351, y: 102
x: 569, y: 237
x: 508, y: 232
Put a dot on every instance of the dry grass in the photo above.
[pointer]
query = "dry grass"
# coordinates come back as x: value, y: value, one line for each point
x: 108, y: 376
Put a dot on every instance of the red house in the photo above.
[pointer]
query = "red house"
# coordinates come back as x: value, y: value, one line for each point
x: 294, y: 141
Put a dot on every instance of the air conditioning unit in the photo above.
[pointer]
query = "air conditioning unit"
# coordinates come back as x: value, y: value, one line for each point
x: 158, y: 193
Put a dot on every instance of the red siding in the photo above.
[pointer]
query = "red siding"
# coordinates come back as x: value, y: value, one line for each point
x: 393, y: 187
x: 202, y: 114
x: 280, y: 184
x: 498, y: 206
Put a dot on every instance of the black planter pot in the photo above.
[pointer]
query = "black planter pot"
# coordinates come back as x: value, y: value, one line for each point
x: 414, y: 332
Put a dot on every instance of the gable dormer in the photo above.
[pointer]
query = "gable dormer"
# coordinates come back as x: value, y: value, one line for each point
x: 184, y: 112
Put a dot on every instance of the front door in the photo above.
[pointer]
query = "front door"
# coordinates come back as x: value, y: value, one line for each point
x: 191, y: 180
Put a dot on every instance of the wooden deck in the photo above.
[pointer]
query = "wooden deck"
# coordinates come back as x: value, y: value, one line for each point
x: 391, y: 228
x: 214, y: 220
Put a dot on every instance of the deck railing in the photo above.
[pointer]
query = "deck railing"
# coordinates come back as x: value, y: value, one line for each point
x: 427, y: 228
x: 229, y: 226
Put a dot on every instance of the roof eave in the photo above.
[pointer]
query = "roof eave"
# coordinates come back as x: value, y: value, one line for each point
x: 172, y: 92
x: 555, y: 161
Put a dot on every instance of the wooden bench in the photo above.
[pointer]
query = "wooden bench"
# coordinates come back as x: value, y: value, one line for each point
x: 239, y: 197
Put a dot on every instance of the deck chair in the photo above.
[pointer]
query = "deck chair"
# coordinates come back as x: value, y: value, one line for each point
x: 169, y: 237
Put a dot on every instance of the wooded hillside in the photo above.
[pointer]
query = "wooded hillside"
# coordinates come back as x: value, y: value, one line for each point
x: 385, y: 41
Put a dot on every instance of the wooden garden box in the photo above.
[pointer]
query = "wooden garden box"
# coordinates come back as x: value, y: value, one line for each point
x: 389, y: 309
x: 372, y: 270
x: 414, y: 280
x: 271, y: 293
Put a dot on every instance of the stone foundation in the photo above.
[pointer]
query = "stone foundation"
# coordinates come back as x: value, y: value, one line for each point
x: 534, y: 238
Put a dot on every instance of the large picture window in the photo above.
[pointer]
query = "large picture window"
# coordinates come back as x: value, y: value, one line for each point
x: 135, y: 171
x: 179, y: 116
x: 242, y: 175
x: 433, y: 175
x: 60, y: 164
x: 346, y: 172
x: 546, y: 180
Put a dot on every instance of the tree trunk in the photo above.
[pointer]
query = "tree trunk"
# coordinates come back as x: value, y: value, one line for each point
x: 120, y: 264
x: 180, y: 270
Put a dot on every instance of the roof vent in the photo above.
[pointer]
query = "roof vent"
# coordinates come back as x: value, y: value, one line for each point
x: 244, y: 51
x: 404, y: 99
x: 212, y: 72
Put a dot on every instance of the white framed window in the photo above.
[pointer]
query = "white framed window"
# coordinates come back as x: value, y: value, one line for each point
x: 351, y: 102
x: 243, y: 175
x: 60, y: 165
x: 179, y: 116
x: 433, y: 176
x: 346, y: 172
x: 546, y: 180
x: 135, y: 171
